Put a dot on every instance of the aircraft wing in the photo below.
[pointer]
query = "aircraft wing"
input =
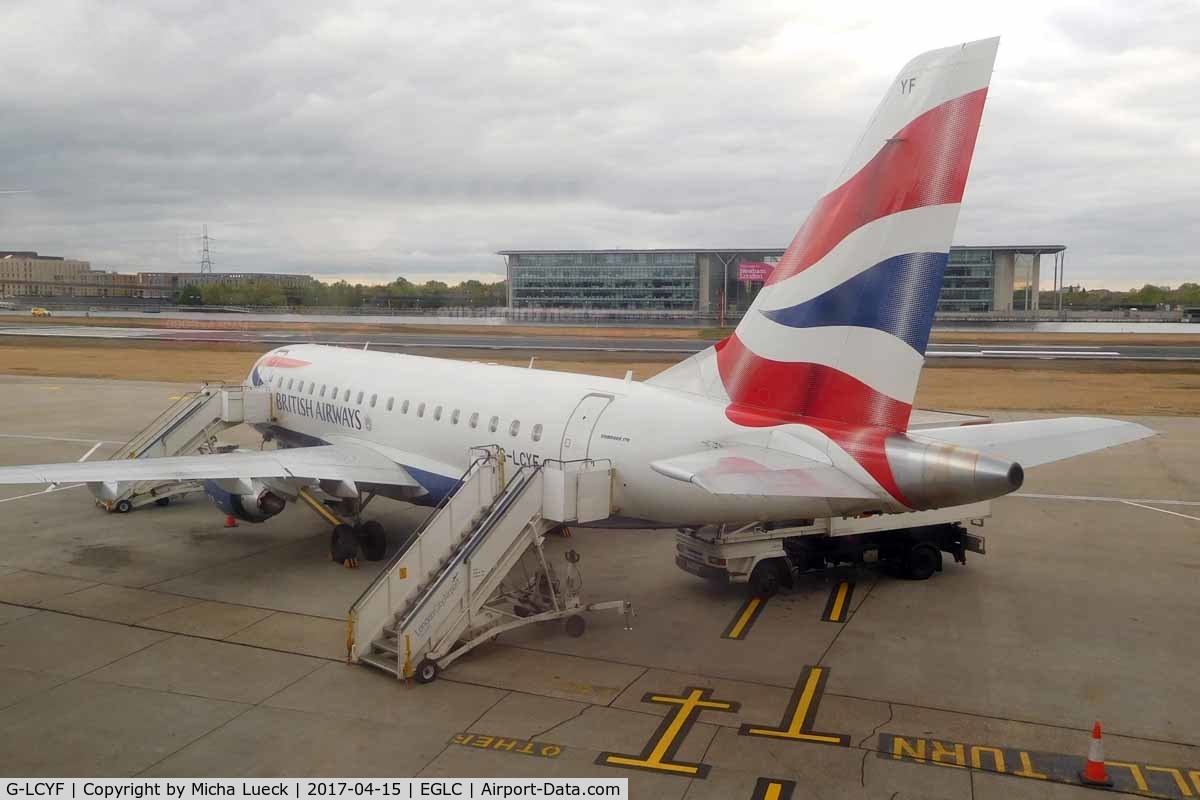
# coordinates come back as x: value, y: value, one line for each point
x: 343, y: 461
x: 759, y: 471
x: 1037, y: 441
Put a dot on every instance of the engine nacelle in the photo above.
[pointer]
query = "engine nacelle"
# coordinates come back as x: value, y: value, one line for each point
x: 256, y: 505
x: 939, y: 475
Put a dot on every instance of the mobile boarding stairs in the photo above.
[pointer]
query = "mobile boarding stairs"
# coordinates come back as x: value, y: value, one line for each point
x: 188, y: 427
x: 476, y: 568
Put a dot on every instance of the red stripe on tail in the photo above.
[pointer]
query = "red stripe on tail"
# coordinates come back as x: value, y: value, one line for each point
x: 924, y: 164
x: 779, y: 391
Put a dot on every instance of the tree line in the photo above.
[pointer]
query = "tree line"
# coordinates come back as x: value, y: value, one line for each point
x: 399, y: 294
x: 1186, y: 294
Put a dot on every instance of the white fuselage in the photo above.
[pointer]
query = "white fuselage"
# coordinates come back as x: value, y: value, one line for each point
x: 430, y: 412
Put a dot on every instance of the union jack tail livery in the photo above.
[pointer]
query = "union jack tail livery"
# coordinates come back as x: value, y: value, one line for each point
x: 839, y: 331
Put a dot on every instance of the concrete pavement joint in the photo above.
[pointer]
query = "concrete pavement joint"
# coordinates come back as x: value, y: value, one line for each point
x: 248, y: 708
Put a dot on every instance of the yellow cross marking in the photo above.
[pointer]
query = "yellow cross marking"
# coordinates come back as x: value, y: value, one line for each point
x: 659, y: 755
x: 801, y: 712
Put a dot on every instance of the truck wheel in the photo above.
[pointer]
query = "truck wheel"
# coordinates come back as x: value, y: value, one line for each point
x: 923, y: 560
x: 123, y: 507
x: 163, y: 502
x: 766, y: 577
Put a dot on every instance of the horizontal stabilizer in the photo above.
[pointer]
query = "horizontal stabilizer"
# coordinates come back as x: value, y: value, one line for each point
x: 1037, y: 441
x: 751, y: 470
x: 326, y: 462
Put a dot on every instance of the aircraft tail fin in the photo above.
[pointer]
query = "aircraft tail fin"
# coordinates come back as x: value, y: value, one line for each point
x: 840, y: 330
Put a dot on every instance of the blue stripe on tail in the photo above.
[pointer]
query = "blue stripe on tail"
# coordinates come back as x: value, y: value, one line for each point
x: 896, y: 296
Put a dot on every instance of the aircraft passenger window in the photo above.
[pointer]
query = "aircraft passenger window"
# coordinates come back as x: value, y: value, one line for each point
x: 324, y: 386
x: 346, y: 398
x: 493, y: 424
x: 537, y: 432
x: 454, y: 417
x: 290, y: 382
x: 404, y: 408
x: 437, y: 413
x: 373, y: 397
x: 475, y: 419
x: 391, y: 402
x: 421, y: 410
x: 514, y: 428
x: 334, y: 395
x: 311, y: 385
x: 359, y: 399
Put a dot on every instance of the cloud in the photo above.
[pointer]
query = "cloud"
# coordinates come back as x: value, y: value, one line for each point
x: 375, y: 140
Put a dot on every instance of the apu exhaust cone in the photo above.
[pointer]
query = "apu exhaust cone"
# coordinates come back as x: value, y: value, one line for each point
x: 938, y: 475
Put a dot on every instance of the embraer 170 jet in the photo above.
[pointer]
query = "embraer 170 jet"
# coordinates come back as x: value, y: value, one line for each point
x: 801, y: 413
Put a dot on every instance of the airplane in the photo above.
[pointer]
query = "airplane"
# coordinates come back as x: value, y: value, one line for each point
x: 801, y: 413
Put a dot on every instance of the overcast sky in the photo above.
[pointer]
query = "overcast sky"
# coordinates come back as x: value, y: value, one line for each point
x: 417, y: 139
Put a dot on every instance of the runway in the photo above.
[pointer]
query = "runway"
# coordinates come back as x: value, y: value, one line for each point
x: 581, y: 344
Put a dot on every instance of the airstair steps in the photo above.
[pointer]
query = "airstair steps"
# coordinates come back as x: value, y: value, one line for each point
x: 188, y: 426
x: 445, y: 592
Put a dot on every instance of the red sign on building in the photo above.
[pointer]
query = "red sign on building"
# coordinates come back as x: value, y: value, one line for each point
x: 757, y: 271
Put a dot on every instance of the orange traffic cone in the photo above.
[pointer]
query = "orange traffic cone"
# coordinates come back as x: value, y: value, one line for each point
x: 230, y: 522
x: 1093, y: 773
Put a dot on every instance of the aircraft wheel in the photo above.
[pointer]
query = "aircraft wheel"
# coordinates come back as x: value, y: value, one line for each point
x: 767, y: 577
x: 923, y: 560
x: 123, y: 507
x: 343, y: 544
x: 374, y: 540
x: 163, y: 502
x: 576, y: 625
x: 427, y: 671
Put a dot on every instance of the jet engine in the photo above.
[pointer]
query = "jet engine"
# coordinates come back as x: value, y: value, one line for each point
x: 250, y: 502
x: 934, y: 475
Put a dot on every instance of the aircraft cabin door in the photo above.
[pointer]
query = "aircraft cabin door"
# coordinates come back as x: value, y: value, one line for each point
x: 578, y: 433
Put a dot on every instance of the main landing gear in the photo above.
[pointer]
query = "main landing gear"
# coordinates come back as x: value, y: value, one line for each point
x: 348, y: 538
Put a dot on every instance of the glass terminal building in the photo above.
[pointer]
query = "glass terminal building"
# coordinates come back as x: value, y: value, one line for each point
x: 705, y: 281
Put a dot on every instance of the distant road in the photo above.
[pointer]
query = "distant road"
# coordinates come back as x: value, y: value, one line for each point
x: 578, y: 344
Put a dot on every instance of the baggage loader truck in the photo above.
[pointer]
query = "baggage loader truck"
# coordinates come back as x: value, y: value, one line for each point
x: 768, y: 557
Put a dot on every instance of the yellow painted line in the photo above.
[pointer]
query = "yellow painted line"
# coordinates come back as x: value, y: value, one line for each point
x: 799, y: 736
x: 802, y: 709
x: 664, y: 741
x: 738, y: 627
x: 745, y: 618
x: 773, y: 789
x: 175, y: 397
x: 840, y: 600
x: 837, y: 607
x: 684, y: 769
x: 659, y: 753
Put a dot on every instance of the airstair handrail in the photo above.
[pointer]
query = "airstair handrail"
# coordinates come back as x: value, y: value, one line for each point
x: 177, y: 413
x: 382, y: 577
x: 509, y: 495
